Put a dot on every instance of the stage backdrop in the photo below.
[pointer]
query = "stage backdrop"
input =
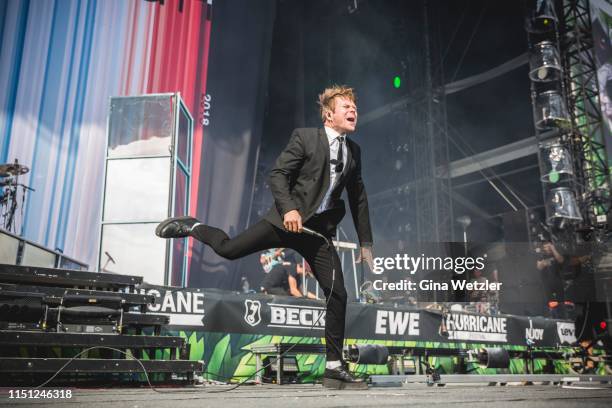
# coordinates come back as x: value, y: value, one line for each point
x: 61, y: 60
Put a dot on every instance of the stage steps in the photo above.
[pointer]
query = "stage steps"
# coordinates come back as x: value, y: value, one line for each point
x: 129, y: 299
x: 51, y: 317
x: 66, y: 278
x: 96, y: 365
x: 51, y: 339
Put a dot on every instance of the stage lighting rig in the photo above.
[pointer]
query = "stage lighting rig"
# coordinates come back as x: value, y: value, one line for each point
x: 561, y: 207
x: 543, y: 17
x: 550, y: 113
x: 556, y: 162
x: 544, y: 62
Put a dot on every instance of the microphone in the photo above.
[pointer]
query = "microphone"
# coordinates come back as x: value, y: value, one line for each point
x: 314, y: 233
x: 308, y: 231
x: 110, y: 258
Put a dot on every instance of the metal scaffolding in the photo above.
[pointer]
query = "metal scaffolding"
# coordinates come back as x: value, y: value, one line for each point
x: 434, y: 221
x: 587, y: 141
x: 417, y: 206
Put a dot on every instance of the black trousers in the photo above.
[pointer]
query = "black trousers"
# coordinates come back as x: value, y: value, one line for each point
x: 264, y: 235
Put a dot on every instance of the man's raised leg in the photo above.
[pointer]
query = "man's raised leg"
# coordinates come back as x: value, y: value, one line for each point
x: 258, y: 237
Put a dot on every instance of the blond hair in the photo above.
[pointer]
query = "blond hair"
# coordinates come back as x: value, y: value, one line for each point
x: 327, y: 99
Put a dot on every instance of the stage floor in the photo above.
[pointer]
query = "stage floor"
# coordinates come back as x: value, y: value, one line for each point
x: 305, y: 396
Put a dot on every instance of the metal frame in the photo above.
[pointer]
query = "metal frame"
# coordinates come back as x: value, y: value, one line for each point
x: 58, y: 277
x: 107, y: 158
x: 59, y: 256
x: 280, y: 350
x: 53, y: 339
x: 420, y: 208
x: 433, y: 189
x: 92, y: 366
x: 588, y: 144
x: 178, y: 165
x: 501, y: 379
x: 178, y: 107
x: 129, y: 299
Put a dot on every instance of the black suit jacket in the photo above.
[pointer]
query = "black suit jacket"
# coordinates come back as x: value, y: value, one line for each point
x: 300, y: 180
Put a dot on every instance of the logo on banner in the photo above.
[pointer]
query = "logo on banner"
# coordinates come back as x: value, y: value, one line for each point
x: 252, y: 312
x: 397, y: 323
x: 531, y: 333
x: 293, y: 316
x: 476, y: 328
x: 184, y: 307
x: 566, y: 332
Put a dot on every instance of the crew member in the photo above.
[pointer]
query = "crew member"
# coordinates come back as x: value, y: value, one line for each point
x: 286, y: 280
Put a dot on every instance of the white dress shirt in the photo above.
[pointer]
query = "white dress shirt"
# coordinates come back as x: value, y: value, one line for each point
x: 334, y: 143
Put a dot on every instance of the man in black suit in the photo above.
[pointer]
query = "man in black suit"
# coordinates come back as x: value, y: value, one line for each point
x: 306, y: 182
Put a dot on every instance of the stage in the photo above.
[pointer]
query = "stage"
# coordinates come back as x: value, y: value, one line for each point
x: 306, y: 396
x: 188, y: 190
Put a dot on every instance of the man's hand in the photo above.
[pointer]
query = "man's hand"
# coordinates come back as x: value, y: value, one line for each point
x: 365, y: 254
x: 544, y: 263
x: 550, y: 249
x: 293, y: 221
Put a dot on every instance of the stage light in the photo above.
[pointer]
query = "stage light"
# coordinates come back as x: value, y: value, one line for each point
x: 555, y: 160
x: 551, y: 111
x: 544, y: 62
x: 494, y: 357
x: 397, y: 82
x: 367, y: 354
x: 561, y: 207
x: 603, y: 325
x: 544, y: 17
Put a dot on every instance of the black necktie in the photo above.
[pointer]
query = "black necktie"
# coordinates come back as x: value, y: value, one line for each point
x: 340, y: 157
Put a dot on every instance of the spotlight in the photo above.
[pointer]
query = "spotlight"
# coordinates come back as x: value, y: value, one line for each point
x: 397, y: 82
x: 561, y: 207
x: 544, y: 17
x: 544, y: 62
x: 555, y: 160
x: 494, y: 358
x: 367, y: 354
x: 551, y: 111
x: 464, y: 221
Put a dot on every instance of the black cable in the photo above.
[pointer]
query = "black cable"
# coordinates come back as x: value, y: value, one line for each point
x: 467, y: 47
x: 584, y: 322
x: 94, y: 348
x: 131, y: 357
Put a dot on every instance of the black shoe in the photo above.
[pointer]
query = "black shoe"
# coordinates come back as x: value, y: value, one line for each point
x: 340, y: 379
x: 176, y: 227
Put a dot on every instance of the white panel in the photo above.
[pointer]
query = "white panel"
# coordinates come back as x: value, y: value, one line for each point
x: 35, y: 256
x: 137, y: 189
x: 8, y: 249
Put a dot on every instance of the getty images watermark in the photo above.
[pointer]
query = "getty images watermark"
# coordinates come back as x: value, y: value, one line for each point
x: 414, y: 264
